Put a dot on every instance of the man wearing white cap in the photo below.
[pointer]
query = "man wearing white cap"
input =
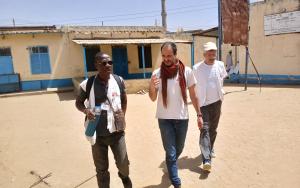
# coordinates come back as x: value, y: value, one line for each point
x: 209, y: 74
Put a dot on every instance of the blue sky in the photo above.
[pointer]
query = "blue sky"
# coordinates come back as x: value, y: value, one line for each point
x: 186, y: 14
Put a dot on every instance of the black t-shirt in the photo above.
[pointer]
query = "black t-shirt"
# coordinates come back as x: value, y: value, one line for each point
x: 100, y: 90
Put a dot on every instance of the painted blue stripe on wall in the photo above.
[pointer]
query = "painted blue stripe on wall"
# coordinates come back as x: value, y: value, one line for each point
x: 9, y: 83
x: 266, y: 79
x: 31, y: 85
x: 272, y: 76
x: 4, y: 79
x: 7, y: 88
x: 43, y: 84
x: 57, y: 83
x: 9, y: 78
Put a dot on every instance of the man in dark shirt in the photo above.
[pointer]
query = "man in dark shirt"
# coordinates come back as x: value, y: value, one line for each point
x: 102, y: 83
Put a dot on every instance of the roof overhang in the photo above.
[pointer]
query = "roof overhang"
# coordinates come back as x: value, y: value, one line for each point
x: 128, y: 41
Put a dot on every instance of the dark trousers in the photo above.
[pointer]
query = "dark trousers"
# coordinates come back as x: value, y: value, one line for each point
x: 211, y: 115
x: 116, y: 142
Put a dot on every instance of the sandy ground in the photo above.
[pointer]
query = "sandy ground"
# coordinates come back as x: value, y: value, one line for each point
x: 258, y: 143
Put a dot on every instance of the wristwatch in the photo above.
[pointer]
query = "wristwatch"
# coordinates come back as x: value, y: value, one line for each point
x: 85, y: 111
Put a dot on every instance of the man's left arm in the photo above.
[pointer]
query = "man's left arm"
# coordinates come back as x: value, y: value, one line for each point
x: 194, y: 98
x: 195, y: 103
x: 124, y: 98
x: 191, y: 84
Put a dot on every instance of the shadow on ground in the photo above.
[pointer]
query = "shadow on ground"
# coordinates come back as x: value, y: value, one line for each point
x: 66, y: 96
x: 192, y: 164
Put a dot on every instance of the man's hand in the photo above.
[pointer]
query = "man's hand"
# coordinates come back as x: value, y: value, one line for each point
x: 153, y: 87
x: 200, y: 122
x: 89, y: 114
x: 154, y: 81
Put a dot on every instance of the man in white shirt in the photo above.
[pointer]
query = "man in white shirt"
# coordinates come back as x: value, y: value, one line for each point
x: 209, y: 74
x: 169, y: 83
x: 229, y: 64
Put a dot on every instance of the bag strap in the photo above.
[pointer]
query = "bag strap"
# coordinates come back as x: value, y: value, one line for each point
x: 110, y: 105
x: 91, y: 81
x: 120, y: 83
x: 89, y: 85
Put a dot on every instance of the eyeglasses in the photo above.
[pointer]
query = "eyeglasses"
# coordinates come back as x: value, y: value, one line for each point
x: 104, y: 63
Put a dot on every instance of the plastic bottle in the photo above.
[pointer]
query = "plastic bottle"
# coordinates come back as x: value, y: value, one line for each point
x: 91, y: 128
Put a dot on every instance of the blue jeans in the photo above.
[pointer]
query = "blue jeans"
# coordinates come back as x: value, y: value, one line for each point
x: 173, y: 133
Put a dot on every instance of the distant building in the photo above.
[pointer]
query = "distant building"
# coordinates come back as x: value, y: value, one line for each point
x: 34, y: 58
x: 274, y: 43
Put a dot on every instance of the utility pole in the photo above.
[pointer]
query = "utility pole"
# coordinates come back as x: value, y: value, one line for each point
x: 164, y: 14
x: 220, y: 32
x: 14, y: 23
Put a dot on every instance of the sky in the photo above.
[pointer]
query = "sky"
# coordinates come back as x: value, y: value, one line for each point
x: 185, y: 14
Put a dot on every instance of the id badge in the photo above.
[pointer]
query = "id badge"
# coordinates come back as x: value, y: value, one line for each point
x: 105, y: 106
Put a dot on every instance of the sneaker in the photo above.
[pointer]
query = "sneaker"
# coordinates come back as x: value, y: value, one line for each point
x: 207, y: 165
x: 213, y: 154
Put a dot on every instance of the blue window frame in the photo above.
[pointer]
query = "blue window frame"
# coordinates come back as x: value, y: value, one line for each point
x: 147, y: 55
x: 90, y: 52
x: 6, y: 64
x: 39, y: 60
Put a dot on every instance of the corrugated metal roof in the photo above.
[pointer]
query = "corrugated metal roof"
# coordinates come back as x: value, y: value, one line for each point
x: 129, y: 41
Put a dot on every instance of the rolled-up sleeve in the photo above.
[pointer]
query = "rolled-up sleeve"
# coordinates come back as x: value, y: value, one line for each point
x: 190, y: 77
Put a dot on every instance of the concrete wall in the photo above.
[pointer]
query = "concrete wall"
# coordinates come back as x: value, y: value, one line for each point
x: 133, y: 60
x: 65, y: 55
x: 274, y: 54
x: 199, y: 41
x: 156, y: 56
x: 184, y: 50
x: 133, y: 57
x: 106, y: 49
x: 184, y: 53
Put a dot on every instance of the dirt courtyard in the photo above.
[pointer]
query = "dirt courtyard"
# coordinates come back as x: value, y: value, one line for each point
x: 258, y: 143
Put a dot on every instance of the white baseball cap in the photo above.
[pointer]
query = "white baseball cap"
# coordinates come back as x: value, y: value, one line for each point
x: 209, y: 46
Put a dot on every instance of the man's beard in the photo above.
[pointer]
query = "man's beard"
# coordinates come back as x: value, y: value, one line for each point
x: 169, y: 62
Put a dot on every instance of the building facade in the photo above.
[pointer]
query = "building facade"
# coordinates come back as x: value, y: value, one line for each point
x: 34, y: 58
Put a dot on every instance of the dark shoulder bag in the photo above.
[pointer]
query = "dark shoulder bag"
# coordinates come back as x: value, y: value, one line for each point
x: 119, y: 115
